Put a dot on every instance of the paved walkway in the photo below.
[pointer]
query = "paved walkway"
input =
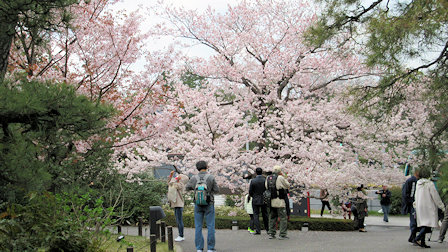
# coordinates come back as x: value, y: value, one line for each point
x: 380, y: 236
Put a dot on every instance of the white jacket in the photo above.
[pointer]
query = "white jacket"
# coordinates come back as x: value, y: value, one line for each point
x: 427, y: 200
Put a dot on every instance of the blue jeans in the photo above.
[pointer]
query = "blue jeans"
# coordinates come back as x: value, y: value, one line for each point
x: 179, y: 220
x: 386, y: 209
x: 209, y: 213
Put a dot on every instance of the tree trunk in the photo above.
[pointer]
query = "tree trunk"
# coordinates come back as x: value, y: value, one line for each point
x: 7, y: 31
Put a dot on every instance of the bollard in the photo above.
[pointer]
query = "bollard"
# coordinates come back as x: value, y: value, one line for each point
x: 130, y: 249
x: 162, y: 231
x: 140, y: 226
x: 118, y: 229
x: 153, y: 241
x: 305, y: 227
x: 170, y: 238
x: 158, y: 230
x: 235, y: 225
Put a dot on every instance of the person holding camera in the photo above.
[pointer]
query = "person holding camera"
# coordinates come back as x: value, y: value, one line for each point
x: 385, y: 202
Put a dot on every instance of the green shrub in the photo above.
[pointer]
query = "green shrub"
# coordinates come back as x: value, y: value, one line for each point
x: 65, y: 222
x: 296, y: 223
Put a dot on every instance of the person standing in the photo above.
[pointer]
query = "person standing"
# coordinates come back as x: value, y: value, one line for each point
x: 359, y: 208
x: 176, y: 190
x: 250, y: 212
x: 324, y: 197
x: 408, y: 197
x: 385, y: 202
x: 256, y: 190
x: 427, y: 200
x: 201, y: 210
x: 278, y: 185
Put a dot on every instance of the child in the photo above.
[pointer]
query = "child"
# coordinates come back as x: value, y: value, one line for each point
x: 248, y: 208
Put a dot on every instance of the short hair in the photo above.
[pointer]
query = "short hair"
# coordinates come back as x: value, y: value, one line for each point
x: 259, y: 171
x: 201, y: 165
x: 425, y: 172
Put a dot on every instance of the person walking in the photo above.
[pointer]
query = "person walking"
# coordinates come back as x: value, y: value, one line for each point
x: 427, y: 200
x: 250, y: 212
x: 256, y: 190
x: 407, y: 199
x: 444, y: 225
x: 278, y: 185
x: 324, y: 197
x: 385, y: 202
x: 176, y: 190
x: 204, y: 186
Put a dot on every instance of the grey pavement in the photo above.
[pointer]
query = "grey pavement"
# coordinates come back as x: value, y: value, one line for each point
x: 380, y: 236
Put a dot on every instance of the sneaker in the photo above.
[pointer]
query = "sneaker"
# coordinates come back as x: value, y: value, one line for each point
x: 362, y: 230
x: 440, y: 241
x: 211, y: 250
x: 271, y: 236
x: 179, y: 239
x: 283, y: 237
x: 250, y: 230
x: 198, y: 250
x: 257, y: 233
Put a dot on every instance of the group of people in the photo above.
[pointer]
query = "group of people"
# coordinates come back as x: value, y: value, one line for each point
x: 273, y: 208
x: 268, y: 196
x: 422, y: 201
x: 205, y: 187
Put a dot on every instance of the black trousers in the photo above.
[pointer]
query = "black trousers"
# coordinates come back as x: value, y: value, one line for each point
x: 264, y: 213
x: 325, y: 203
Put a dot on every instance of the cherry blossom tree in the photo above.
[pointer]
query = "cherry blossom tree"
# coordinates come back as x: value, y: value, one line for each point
x: 96, y: 52
x: 264, y: 97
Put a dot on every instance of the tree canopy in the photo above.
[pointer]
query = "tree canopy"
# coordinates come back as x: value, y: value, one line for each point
x: 407, y: 43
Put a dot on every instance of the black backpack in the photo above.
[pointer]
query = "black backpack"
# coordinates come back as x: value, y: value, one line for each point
x: 271, y: 192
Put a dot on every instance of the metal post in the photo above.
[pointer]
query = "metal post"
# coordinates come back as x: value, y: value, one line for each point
x: 119, y: 229
x: 153, y: 241
x: 158, y: 231
x: 170, y: 238
x: 130, y: 249
x: 162, y: 234
x: 140, y: 226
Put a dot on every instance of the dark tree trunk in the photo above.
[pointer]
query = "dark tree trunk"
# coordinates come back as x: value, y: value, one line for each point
x: 7, y: 31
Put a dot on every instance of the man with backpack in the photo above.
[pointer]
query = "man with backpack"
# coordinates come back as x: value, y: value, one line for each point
x: 204, y: 186
x: 256, y: 190
x: 278, y: 186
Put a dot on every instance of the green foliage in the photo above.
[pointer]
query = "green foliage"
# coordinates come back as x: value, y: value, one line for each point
x: 230, y: 201
x: 41, y: 123
x: 442, y: 183
x: 296, y: 223
x: 140, y: 192
x: 395, y: 208
x: 61, y: 222
x: 29, y: 20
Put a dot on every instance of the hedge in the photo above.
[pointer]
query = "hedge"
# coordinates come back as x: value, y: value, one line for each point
x: 295, y: 223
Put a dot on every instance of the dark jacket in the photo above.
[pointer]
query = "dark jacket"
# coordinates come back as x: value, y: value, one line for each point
x: 407, y: 195
x: 256, y: 190
x: 385, y: 200
x: 212, y: 186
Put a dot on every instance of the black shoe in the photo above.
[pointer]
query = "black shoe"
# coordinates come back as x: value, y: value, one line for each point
x: 411, y: 239
x: 257, y: 234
